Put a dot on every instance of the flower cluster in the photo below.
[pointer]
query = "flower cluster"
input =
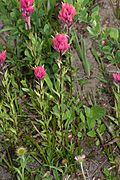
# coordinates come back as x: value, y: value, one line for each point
x: 2, y: 57
x: 116, y: 76
x: 39, y: 72
x: 67, y: 13
x: 60, y: 43
x: 27, y: 8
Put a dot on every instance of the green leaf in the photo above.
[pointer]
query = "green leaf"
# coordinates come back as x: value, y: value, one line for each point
x: 114, y: 33
x: 27, y: 53
x: 7, y: 29
x: 25, y: 89
x: 48, y: 82
x: 91, y: 133
x: 82, y: 53
x: 56, y: 111
x: 102, y: 129
x: 23, y: 82
x: 80, y: 134
x: 82, y: 82
x: 98, y: 112
x: 97, y: 142
x: 94, y: 114
x: 90, y: 120
x: 57, y: 169
x: 13, y: 131
x: 56, y: 175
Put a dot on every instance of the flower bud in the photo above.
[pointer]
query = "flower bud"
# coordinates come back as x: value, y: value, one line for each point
x: 39, y: 72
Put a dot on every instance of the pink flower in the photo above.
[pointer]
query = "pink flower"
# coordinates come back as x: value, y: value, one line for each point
x: 116, y: 76
x: 2, y: 57
x: 30, y: 9
x: 39, y: 72
x: 26, y: 3
x: 67, y: 13
x: 27, y: 8
x: 60, y: 43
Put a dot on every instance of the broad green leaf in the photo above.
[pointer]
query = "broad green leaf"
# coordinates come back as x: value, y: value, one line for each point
x: 114, y: 33
x: 91, y: 133
x: 98, y: 112
x: 94, y: 114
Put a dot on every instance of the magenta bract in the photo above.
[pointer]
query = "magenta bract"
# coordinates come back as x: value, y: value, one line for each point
x: 27, y: 8
x: 39, y: 72
x: 67, y: 13
x: 2, y: 57
x: 116, y: 76
x: 60, y: 43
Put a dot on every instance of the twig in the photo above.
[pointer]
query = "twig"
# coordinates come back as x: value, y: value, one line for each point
x: 88, y: 175
x: 97, y: 169
x: 81, y: 165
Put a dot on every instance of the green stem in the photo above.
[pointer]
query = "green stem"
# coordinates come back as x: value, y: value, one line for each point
x: 40, y: 90
x: 43, y: 114
x: 60, y: 98
x: 23, y: 168
x: 9, y: 157
x: 70, y: 64
x: 41, y: 96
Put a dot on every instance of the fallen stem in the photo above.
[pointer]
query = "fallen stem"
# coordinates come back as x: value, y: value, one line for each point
x: 81, y: 165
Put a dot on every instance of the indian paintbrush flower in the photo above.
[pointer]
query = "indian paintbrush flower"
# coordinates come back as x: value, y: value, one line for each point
x: 60, y: 43
x: 116, y: 76
x: 2, y: 57
x: 27, y: 8
x: 67, y: 13
x: 39, y: 72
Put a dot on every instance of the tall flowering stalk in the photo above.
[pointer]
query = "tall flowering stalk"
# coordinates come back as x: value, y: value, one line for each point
x: 66, y: 16
x: 27, y: 8
x: 60, y: 44
x: 40, y: 73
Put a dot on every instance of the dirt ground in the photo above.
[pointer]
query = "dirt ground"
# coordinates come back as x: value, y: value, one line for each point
x: 107, y: 19
x: 96, y: 159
